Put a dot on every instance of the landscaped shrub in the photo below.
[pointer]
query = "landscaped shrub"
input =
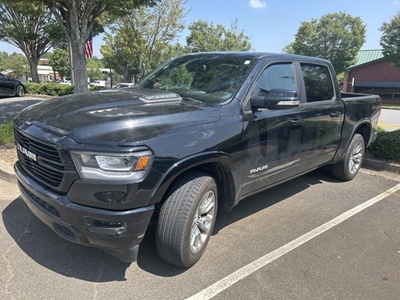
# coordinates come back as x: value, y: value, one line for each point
x: 54, y: 89
x: 387, y: 145
x: 51, y: 89
x: 96, y: 88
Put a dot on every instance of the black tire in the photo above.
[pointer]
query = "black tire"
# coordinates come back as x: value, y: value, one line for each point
x: 187, y: 219
x: 19, y: 91
x: 348, y: 167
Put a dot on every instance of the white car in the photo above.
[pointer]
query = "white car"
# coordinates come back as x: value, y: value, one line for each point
x: 123, y: 85
x: 98, y: 83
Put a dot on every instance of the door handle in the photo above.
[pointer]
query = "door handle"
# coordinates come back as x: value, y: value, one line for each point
x: 335, y: 114
x: 296, y: 121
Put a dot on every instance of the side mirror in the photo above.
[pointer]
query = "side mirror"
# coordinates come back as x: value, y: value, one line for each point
x: 276, y: 99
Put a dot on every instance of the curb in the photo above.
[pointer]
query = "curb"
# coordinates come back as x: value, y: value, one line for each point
x: 7, y: 172
x: 378, y: 165
x: 39, y: 96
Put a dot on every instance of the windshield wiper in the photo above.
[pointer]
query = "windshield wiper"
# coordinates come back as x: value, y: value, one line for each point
x: 189, y: 99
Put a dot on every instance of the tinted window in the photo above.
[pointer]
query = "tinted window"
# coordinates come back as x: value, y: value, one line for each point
x: 275, y: 77
x: 206, y: 77
x: 318, y: 83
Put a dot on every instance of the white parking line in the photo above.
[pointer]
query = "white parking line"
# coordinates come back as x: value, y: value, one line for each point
x: 249, y: 269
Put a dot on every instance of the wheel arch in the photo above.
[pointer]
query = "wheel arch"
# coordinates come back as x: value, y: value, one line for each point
x: 364, y: 129
x: 218, y: 165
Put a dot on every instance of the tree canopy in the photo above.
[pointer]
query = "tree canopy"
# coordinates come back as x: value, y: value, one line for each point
x: 76, y: 19
x: 390, y: 40
x: 58, y: 59
x: 18, y: 65
x: 142, y: 36
x: 336, y: 36
x: 205, y: 36
x: 31, y: 28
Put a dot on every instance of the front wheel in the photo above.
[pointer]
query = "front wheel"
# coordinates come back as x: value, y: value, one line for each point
x: 187, y: 219
x: 19, y: 91
x: 348, y: 167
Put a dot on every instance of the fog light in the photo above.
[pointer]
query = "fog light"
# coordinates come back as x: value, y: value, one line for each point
x: 105, y: 228
x: 111, y: 196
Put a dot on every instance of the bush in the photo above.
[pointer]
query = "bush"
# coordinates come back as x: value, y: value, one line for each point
x: 6, y: 133
x: 54, y: 89
x: 387, y: 145
x: 51, y: 89
x: 96, y: 88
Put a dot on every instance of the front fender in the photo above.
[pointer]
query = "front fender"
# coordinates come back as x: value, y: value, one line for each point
x: 218, y: 164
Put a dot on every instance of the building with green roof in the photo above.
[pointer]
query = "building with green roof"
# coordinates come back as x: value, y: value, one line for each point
x: 372, y: 74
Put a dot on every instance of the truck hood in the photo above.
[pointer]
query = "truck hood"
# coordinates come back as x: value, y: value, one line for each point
x: 117, y: 116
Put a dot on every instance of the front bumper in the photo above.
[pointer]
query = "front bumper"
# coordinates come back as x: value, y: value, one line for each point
x: 116, y: 232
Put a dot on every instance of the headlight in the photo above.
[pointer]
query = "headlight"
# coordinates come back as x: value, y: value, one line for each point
x: 112, y: 166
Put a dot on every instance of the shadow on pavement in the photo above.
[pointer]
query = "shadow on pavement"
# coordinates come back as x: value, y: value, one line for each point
x: 8, y: 110
x: 45, y: 247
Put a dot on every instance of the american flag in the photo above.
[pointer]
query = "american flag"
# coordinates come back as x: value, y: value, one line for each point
x: 89, y: 46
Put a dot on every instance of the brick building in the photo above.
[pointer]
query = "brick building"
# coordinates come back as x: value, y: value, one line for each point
x: 372, y: 74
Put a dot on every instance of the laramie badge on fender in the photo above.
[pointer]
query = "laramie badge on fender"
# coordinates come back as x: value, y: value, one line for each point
x: 26, y: 152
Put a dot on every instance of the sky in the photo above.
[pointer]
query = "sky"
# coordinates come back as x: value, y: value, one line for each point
x: 272, y: 24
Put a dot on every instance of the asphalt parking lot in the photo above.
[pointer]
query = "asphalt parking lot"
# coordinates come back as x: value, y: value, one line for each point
x: 311, y: 238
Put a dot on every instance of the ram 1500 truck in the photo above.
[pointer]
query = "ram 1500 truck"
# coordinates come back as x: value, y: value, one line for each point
x: 198, y: 134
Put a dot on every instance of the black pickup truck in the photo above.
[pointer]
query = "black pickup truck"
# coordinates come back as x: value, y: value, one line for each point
x: 198, y: 134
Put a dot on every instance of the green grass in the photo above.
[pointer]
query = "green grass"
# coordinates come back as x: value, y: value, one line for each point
x: 6, y: 133
x: 386, y: 106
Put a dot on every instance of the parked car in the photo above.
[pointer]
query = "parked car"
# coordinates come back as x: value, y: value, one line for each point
x: 98, y: 83
x: 197, y: 135
x: 123, y: 85
x: 10, y: 86
x: 64, y: 82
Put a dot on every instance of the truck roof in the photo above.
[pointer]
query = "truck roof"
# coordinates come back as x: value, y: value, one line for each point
x: 260, y: 55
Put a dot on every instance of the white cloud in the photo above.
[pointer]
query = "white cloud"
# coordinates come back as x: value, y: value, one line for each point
x: 257, y: 3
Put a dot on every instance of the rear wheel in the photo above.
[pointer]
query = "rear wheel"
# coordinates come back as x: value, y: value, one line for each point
x: 187, y: 219
x: 347, y: 168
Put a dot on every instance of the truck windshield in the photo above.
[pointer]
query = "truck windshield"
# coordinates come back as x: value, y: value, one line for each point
x: 209, y: 77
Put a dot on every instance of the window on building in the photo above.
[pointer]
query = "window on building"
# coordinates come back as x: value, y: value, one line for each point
x: 396, y: 94
x: 364, y: 90
x: 384, y: 93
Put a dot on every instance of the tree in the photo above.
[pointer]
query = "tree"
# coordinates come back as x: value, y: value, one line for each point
x: 206, y: 36
x: 142, y: 36
x: 336, y: 36
x: 58, y: 59
x: 31, y: 28
x: 3, y: 57
x: 76, y: 18
x: 17, y: 64
x: 118, y: 55
x: 93, y: 68
x: 390, y: 40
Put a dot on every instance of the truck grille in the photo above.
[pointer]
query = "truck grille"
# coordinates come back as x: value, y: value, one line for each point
x: 40, y: 159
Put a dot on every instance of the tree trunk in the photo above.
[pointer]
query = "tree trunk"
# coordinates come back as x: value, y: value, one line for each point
x: 33, y: 64
x: 79, y: 68
x: 127, y: 75
x: 78, y: 60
